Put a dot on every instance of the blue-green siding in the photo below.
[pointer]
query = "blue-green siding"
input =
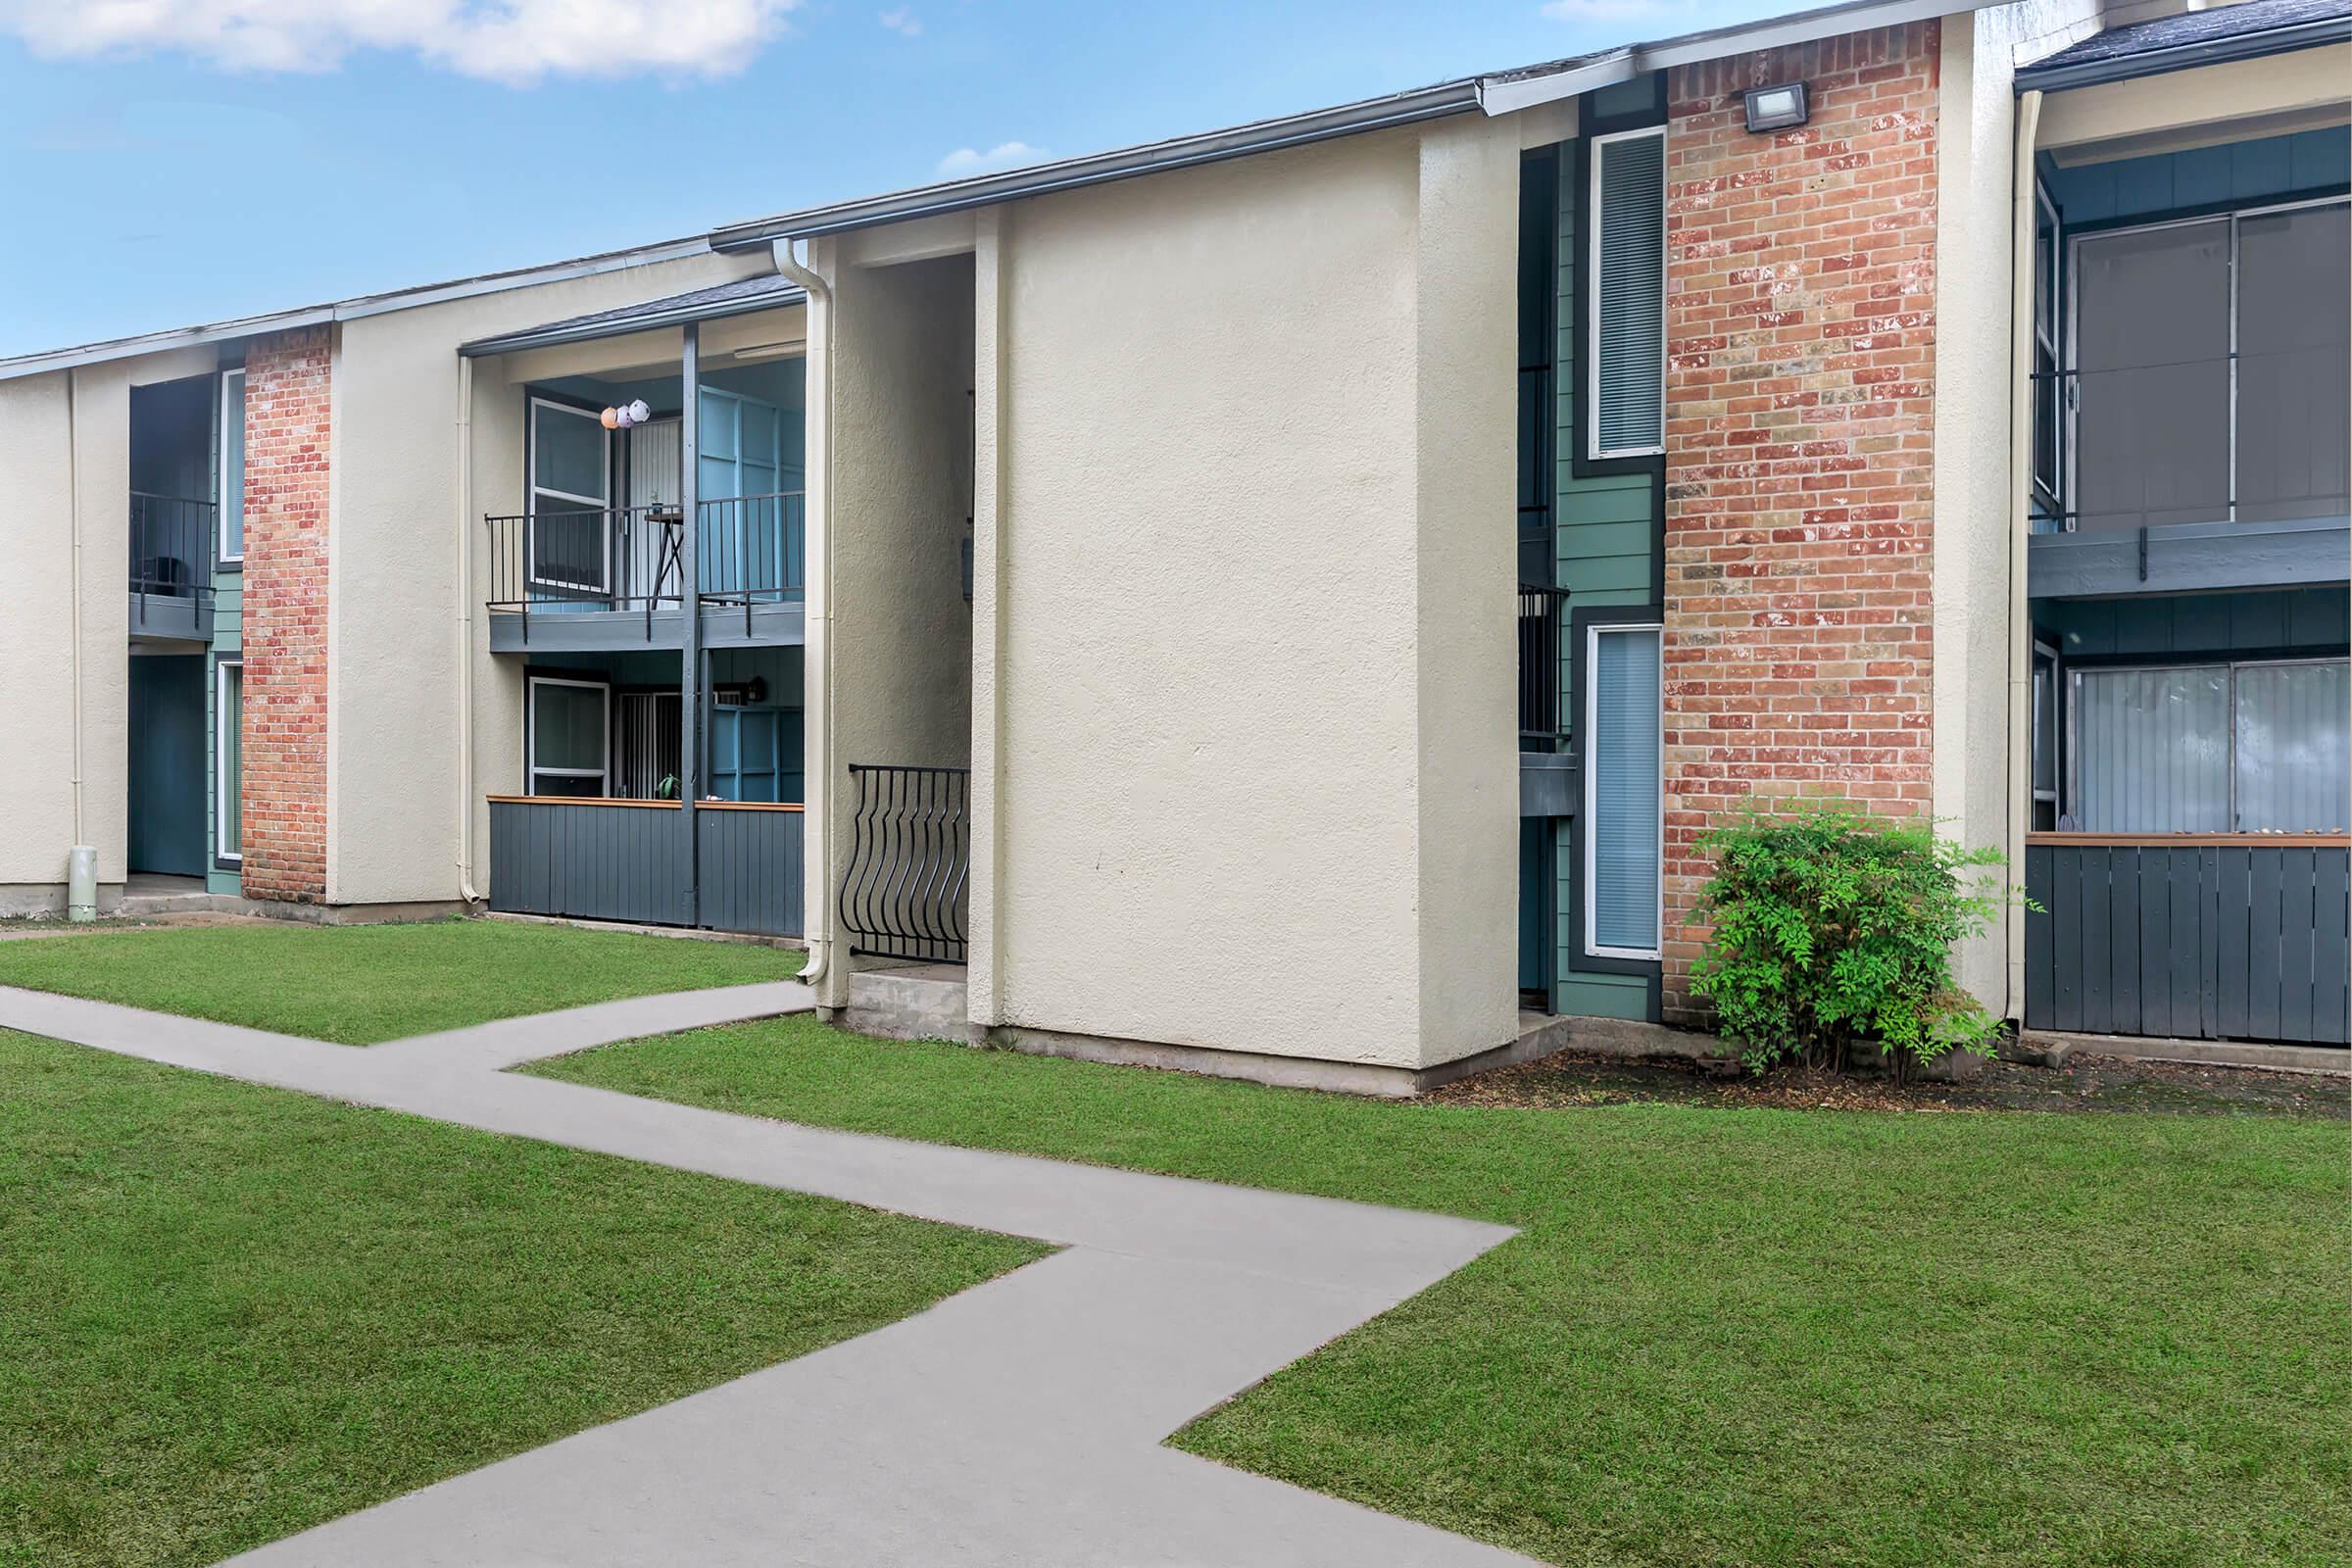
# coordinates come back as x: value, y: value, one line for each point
x: 1606, y: 539
x: 2237, y: 172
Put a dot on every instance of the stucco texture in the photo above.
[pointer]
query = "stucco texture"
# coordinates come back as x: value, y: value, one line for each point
x: 1254, y: 782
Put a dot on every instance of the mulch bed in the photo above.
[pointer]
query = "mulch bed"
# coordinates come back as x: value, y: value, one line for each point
x: 2087, y: 1083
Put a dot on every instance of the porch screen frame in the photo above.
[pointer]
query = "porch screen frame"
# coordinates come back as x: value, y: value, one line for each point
x: 532, y: 770
x: 2070, y: 776
x: 2069, y: 457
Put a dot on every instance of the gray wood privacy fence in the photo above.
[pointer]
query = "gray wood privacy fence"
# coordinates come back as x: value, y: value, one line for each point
x: 2216, y: 939
x: 629, y: 861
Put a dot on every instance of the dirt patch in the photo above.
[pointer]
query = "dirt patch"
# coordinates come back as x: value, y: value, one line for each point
x: 2085, y: 1084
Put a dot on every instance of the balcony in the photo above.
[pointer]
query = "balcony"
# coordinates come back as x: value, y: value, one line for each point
x: 606, y: 579
x: 170, y: 568
x: 737, y: 867
x: 1546, y: 773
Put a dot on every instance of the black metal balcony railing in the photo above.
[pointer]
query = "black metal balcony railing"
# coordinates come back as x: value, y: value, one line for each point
x: 172, y: 546
x: 750, y: 551
x: 1541, y: 611
x: 903, y: 893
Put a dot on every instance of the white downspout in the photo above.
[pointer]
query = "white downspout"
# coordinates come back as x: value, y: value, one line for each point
x: 816, y: 695
x: 73, y: 556
x: 2022, y: 280
x: 464, y: 498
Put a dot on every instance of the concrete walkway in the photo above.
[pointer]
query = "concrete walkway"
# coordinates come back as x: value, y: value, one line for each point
x: 1018, y: 1423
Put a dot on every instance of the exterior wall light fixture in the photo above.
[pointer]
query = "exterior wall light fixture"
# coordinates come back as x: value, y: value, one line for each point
x: 1777, y: 108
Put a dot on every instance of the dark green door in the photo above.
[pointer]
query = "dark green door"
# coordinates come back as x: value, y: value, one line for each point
x: 166, y: 764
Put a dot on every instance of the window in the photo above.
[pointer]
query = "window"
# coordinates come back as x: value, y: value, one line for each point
x: 2049, y: 390
x: 231, y: 509
x: 2247, y: 748
x: 1627, y: 385
x: 2045, y: 737
x: 567, y: 751
x: 570, y: 486
x: 2213, y: 369
x: 1624, y: 845
x: 228, y: 761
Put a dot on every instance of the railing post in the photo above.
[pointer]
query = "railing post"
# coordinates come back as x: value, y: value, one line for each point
x: 690, y: 601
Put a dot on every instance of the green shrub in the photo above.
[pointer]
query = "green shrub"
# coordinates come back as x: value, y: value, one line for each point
x: 1833, y: 929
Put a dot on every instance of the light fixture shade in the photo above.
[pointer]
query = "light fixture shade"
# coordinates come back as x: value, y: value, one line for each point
x: 1777, y: 108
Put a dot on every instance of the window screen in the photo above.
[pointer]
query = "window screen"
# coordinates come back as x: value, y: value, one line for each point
x: 1628, y: 296
x: 2252, y: 748
x: 2294, y: 370
x: 1623, y: 791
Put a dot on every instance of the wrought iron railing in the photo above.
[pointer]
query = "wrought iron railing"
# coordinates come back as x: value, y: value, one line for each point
x: 172, y: 546
x: 750, y: 548
x: 910, y: 859
x: 750, y: 551
x: 554, y: 562
x: 1541, y: 611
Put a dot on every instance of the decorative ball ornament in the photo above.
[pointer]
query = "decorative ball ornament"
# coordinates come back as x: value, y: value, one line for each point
x: 621, y: 417
x: 610, y: 418
x: 640, y: 412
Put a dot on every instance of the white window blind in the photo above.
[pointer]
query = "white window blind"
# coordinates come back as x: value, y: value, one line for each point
x: 1628, y: 294
x: 2293, y: 749
x: 1623, y: 791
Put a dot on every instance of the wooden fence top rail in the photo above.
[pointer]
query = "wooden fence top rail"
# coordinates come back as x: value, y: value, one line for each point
x: 662, y: 805
x: 2189, y: 841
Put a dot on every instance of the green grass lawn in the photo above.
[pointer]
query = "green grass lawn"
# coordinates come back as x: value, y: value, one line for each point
x: 227, y: 1312
x: 356, y: 985
x: 1734, y: 1337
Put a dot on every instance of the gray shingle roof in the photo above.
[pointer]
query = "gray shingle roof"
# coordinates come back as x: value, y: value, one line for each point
x: 2192, y: 38
x: 744, y: 295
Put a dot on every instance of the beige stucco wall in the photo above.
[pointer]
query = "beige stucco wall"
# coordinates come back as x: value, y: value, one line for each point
x: 36, y: 620
x: 65, y: 460
x: 1249, y: 648
x: 1976, y: 112
x: 396, y: 614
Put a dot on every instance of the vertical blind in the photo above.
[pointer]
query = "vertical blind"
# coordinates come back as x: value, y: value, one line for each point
x: 1629, y: 335
x: 2254, y: 748
x: 1622, y: 836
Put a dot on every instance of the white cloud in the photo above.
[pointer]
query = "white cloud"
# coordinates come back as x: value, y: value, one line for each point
x: 504, y: 40
x: 902, y: 21
x: 1003, y: 155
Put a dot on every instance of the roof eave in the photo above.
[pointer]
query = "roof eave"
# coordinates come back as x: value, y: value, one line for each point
x: 2057, y: 77
x: 558, y: 334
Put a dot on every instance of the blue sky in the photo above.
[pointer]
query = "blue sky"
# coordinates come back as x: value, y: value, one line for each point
x: 236, y: 156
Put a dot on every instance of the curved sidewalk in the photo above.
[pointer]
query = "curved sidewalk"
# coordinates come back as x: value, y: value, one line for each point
x: 1018, y: 1423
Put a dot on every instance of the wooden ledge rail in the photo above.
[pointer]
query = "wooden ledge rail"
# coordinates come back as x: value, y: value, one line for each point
x: 2189, y: 841
x: 657, y: 805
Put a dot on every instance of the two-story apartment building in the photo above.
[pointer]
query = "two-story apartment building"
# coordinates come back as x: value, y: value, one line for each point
x: 1285, y: 600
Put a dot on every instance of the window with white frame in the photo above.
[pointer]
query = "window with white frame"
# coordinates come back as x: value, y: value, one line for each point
x: 2255, y: 747
x: 1626, y: 381
x: 2049, y: 391
x: 230, y: 501
x: 2045, y: 737
x: 228, y: 760
x: 569, y: 748
x: 571, y: 489
x: 1623, y: 791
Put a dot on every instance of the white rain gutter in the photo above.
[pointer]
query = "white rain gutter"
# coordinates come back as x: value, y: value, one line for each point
x: 817, y: 663
x: 2022, y: 275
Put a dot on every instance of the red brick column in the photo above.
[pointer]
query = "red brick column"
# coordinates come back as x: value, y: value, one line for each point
x: 284, y: 827
x: 1799, y: 439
